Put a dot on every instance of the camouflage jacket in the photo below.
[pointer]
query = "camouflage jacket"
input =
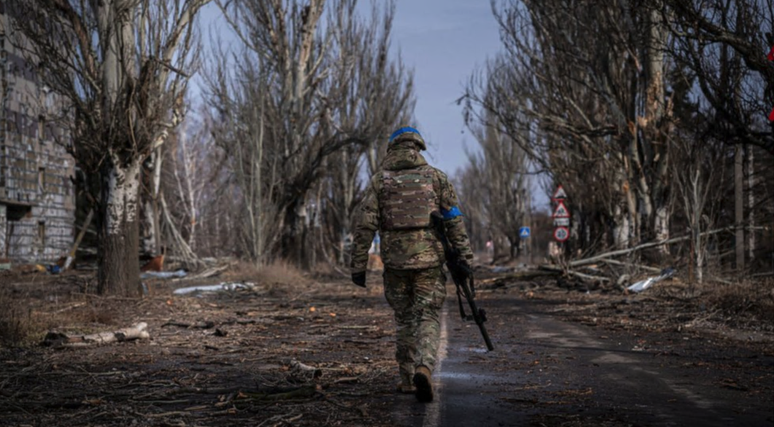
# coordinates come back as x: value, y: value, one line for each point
x: 412, y: 248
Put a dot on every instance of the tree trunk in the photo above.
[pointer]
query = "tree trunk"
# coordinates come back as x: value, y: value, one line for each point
x: 750, y: 203
x: 150, y: 237
x: 662, y: 228
x: 293, y: 233
x: 119, y: 264
x: 739, y: 207
x: 515, y: 249
x: 620, y: 229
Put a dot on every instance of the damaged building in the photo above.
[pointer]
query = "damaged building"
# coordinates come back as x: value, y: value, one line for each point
x: 37, y: 199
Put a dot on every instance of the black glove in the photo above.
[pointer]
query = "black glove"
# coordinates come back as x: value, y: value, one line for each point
x: 359, y: 279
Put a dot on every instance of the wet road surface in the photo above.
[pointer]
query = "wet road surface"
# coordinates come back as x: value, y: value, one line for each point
x: 547, y: 372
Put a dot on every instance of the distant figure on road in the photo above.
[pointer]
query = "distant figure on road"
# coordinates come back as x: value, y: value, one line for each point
x: 375, y: 245
x: 398, y: 202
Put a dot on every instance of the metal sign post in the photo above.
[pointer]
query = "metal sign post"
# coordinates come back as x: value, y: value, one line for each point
x: 561, y: 217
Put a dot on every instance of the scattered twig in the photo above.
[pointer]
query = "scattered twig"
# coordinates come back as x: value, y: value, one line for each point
x: 629, y: 264
x: 557, y: 269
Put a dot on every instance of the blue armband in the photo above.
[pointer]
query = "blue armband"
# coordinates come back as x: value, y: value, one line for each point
x: 452, y: 213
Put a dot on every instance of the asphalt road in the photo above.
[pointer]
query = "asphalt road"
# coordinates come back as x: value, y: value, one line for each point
x: 548, y: 372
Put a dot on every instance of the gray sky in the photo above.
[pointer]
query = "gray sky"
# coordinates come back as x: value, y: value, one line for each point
x: 444, y: 41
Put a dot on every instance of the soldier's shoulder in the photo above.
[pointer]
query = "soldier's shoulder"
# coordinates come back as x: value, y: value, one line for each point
x: 376, y: 179
x: 441, y: 175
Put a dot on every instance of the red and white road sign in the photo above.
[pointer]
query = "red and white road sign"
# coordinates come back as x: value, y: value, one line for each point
x: 561, y: 234
x: 559, y: 194
x: 561, y: 211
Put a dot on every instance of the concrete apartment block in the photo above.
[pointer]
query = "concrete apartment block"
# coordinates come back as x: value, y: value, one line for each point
x: 37, y: 199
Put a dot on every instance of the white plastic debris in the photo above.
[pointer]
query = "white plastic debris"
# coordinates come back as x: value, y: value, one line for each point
x: 229, y: 286
x: 645, y: 284
x: 163, y: 274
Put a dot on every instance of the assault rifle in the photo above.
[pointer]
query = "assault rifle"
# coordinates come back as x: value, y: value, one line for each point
x: 463, y: 279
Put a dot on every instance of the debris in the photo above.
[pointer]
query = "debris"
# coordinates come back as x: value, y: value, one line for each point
x: 519, y: 275
x: 305, y: 391
x: 210, y: 272
x: 623, y: 279
x: 163, y: 274
x: 298, y: 367
x: 645, y: 284
x: 227, y: 286
x: 59, y: 339
x: 200, y: 325
x: 155, y: 264
x: 557, y: 269
x: 629, y: 264
x: 71, y: 255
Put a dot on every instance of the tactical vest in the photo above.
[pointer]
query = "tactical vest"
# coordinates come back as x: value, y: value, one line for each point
x: 407, y: 199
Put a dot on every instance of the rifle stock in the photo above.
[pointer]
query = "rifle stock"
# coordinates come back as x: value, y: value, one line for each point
x: 463, y: 279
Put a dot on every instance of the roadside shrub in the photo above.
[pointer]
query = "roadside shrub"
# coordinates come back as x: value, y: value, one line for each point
x: 754, y: 298
x: 15, y: 320
x: 281, y: 273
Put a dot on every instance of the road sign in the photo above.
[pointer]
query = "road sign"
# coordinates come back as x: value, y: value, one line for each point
x: 559, y: 194
x: 561, y: 211
x: 561, y: 234
x: 562, y: 222
x: 524, y: 232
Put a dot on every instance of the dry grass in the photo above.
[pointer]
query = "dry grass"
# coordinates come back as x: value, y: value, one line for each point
x: 279, y: 273
x: 27, y: 314
x: 15, y: 320
x: 750, y: 298
x: 23, y: 321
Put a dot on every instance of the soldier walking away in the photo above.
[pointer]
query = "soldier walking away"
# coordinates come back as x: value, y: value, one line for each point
x: 398, y: 203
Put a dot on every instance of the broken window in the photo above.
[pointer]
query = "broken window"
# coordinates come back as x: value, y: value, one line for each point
x: 42, y: 128
x: 42, y: 233
x: 42, y: 179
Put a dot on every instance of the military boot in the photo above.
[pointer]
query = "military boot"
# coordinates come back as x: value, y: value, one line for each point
x: 406, y: 387
x: 424, y: 384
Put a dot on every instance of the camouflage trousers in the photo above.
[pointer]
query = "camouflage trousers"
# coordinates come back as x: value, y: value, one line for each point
x: 416, y: 296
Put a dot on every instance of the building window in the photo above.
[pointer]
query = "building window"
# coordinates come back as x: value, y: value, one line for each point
x: 42, y: 233
x: 42, y: 129
x: 42, y: 179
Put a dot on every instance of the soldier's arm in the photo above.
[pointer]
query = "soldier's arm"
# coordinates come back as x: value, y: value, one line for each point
x: 455, y: 227
x: 366, y: 223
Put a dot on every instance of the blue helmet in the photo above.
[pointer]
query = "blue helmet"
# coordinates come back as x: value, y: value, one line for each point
x: 409, y: 133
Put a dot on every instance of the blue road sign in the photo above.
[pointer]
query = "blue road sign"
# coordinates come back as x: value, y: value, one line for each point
x: 524, y: 232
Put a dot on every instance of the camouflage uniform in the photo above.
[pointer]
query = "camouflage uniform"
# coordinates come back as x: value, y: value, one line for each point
x: 398, y: 202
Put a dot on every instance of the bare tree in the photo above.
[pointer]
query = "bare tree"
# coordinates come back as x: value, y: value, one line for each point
x: 593, y: 114
x: 121, y: 67
x: 722, y: 45
x: 307, y: 97
x: 501, y: 171
x: 697, y: 175
x: 719, y: 45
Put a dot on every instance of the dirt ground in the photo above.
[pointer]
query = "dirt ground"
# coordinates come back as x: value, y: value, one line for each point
x: 232, y: 357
